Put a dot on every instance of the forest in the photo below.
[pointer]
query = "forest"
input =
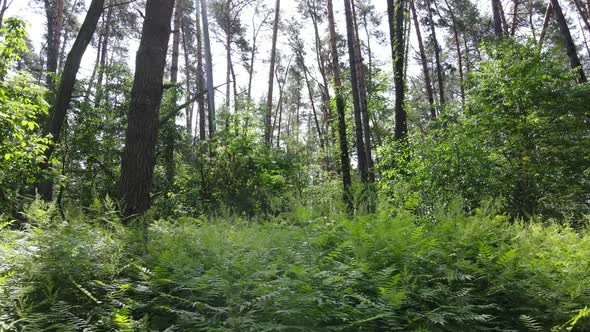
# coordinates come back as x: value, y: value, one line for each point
x: 296, y: 165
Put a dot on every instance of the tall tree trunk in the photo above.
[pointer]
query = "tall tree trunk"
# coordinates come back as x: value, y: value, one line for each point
x: 200, y: 72
x: 186, y: 41
x: 396, y: 34
x: 208, y: 69
x: 54, y: 10
x: 570, y: 46
x: 273, y: 55
x: 64, y: 42
x: 139, y: 155
x: 459, y: 55
x: 582, y: 14
x: 103, y: 57
x: 228, y: 58
x: 169, y: 130
x: 498, y: 30
x: 253, y: 51
x: 58, y: 110
x: 514, y: 18
x: 546, y: 19
x: 312, y: 103
x: 362, y: 89
x: 358, y: 122
x: 340, y: 110
x: 329, y: 134
x: 439, y: 71
x: 424, y: 61
x: 3, y: 7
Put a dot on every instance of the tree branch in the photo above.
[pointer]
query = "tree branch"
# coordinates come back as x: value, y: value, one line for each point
x: 174, y: 113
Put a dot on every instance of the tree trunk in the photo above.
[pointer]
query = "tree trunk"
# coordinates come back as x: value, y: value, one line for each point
x: 459, y: 55
x: 546, y: 19
x: 498, y: 30
x: 514, y: 18
x: 200, y: 72
x: 3, y: 7
x: 228, y: 58
x: 396, y: 33
x: 362, y: 90
x: 273, y: 55
x: 424, y: 61
x: 570, y: 46
x: 139, y: 154
x: 312, y: 103
x: 340, y: 110
x: 209, y: 69
x: 170, y: 128
x: 54, y: 12
x: 58, y: 110
x: 103, y: 57
x: 439, y: 71
x: 358, y: 122
x: 186, y: 41
x: 65, y: 40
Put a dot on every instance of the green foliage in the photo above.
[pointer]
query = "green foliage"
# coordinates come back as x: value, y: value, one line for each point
x: 21, y: 103
x: 239, y: 175
x: 375, y: 273
x: 522, y: 137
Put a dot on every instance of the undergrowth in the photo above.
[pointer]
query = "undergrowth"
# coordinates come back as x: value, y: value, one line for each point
x: 86, y: 272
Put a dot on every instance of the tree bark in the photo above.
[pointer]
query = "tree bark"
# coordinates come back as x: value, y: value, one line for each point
x: 459, y: 55
x: 439, y: 71
x: 186, y: 41
x: 200, y: 72
x: 424, y: 61
x: 514, y: 18
x: 139, y: 154
x: 498, y: 30
x: 570, y: 46
x: 340, y: 110
x: 170, y: 129
x: 59, y: 108
x: 362, y: 89
x: 54, y: 12
x: 396, y: 34
x: 546, y: 19
x: 3, y: 7
x: 103, y: 57
x: 273, y: 55
x: 358, y: 122
x: 208, y: 69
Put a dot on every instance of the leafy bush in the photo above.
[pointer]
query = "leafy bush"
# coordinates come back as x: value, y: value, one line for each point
x: 21, y: 103
x: 522, y: 137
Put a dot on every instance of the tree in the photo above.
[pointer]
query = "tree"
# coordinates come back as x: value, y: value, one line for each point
x: 423, y: 61
x: 437, y: 50
x: 396, y: 10
x: 340, y: 110
x: 21, y: 103
x: 271, y: 73
x: 138, y: 159
x: 354, y: 79
x: 54, y: 11
x: 169, y: 130
x: 61, y: 103
x: 200, y: 73
x: 570, y: 46
x: 208, y: 68
x: 4, y: 4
